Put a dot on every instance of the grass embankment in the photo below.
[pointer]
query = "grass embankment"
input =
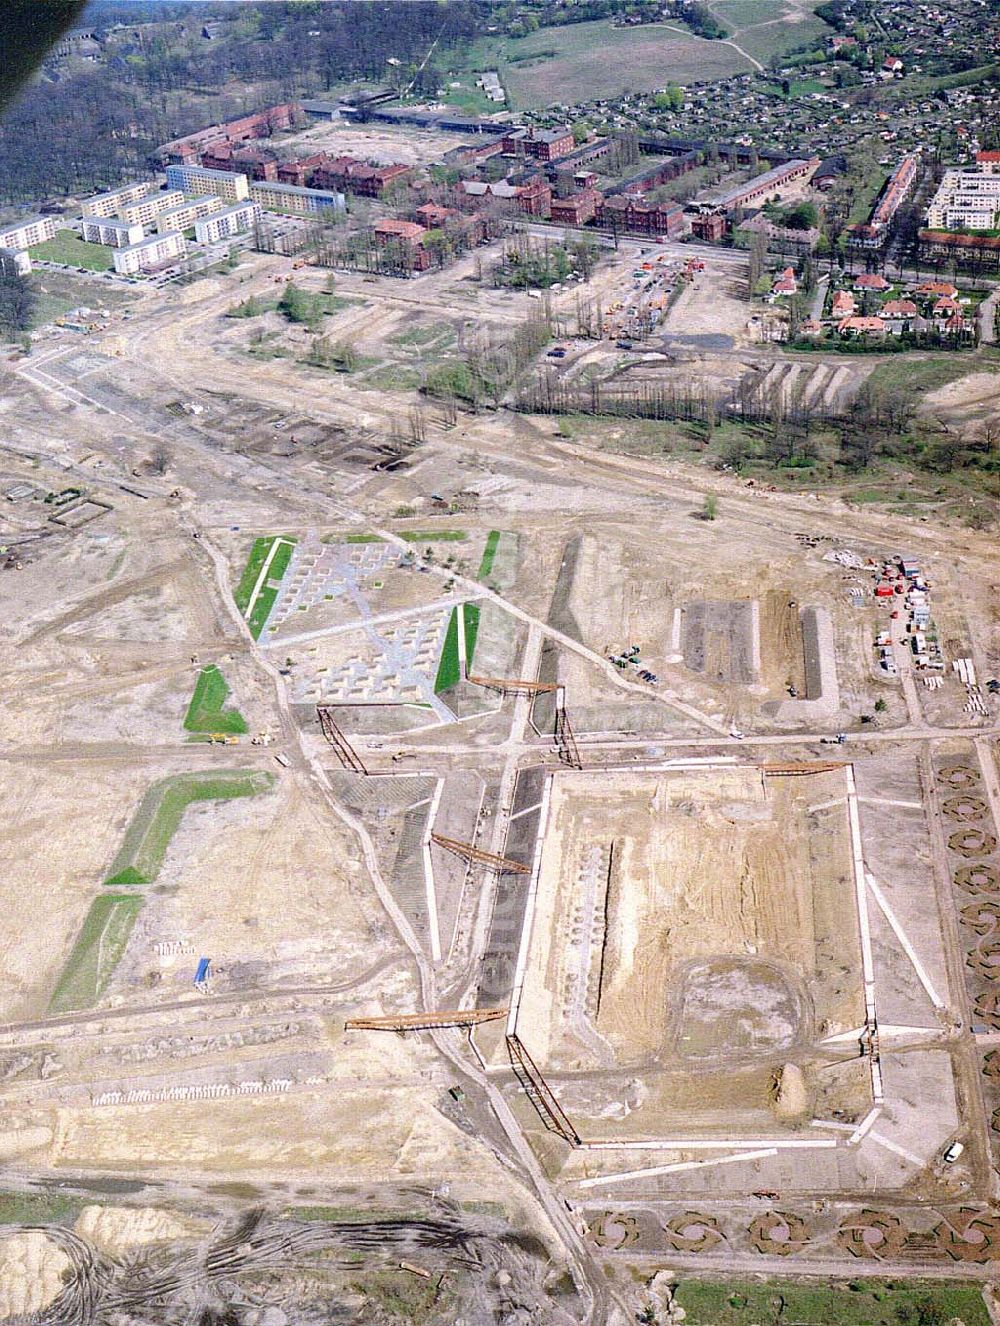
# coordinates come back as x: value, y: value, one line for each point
x: 449, y: 671
x: 489, y: 554
x: 256, y: 607
x: 207, y: 711
x: 68, y: 248
x: 108, y: 924
x: 859, y: 1303
x: 155, y: 822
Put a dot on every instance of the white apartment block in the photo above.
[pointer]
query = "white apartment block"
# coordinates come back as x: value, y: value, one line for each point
x: 28, y: 233
x: 184, y: 215
x: 146, y: 210
x: 157, y: 251
x: 14, y: 262
x: 230, y: 186
x: 235, y: 220
x: 110, y: 230
x: 965, y: 200
x: 108, y: 204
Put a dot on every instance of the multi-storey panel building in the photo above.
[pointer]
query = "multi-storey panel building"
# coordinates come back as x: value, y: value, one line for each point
x: 157, y: 251
x: 235, y: 220
x: 146, y: 210
x: 26, y: 234
x: 184, y: 215
x: 110, y: 230
x: 277, y: 197
x: 111, y: 203
x: 194, y: 181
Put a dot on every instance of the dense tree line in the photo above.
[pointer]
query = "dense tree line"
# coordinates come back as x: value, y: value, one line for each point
x: 17, y: 304
x: 74, y: 130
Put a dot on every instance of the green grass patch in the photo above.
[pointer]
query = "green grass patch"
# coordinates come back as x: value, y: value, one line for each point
x: 910, y: 377
x: 585, y: 61
x: 68, y: 248
x: 264, y: 601
x: 489, y: 554
x: 449, y: 668
x: 42, y: 1208
x: 156, y: 821
x: 392, y: 377
x: 357, y: 538
x: 433, y: 535
x: 859, y: 1303
x: 471, y: 613
x: 97, y: 951
x: 207, y: 711
x: 449, y: 671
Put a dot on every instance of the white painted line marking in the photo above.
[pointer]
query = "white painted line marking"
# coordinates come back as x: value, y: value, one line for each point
x: 431, y: 895
x: 899, y: 1150
x: 262, y: 578
x: 624, y: 1175
x: 907, y: 947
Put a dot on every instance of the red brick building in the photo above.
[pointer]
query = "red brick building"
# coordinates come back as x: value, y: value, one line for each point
x: 301, y: 171
x: 710, y: 227
x: 624, y: 212
x: 349, y: 175
x: 542, y: 144
x: 260, y: 125
x: 408, y: 237
x: 576, y: 210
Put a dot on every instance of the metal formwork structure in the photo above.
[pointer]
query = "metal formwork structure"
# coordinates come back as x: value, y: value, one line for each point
x: 539, y: 1092
x: 512, y: 685
x: 455, y: 1017
x: 502, y: 864
x: 346, y: 753
x: 565, y: 741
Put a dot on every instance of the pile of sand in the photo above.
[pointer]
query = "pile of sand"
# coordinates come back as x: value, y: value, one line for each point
x: 116, y: 1229
x: 31, y: 1273
x: 790, y: 1097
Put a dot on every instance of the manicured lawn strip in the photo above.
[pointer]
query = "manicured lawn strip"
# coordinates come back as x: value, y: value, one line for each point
x: 207, y: 712
x: 155, y: 822
x: 359, y: 538
x: 261, y: 610
x: 433, y: 535
x: 471, y: 611
x: 280, y: 560
x: 861, y: 1303
x: 67, y: 247
x: 97, y: 951
x: 258, y: 555
x: 264, y: 601
x: 449, y: 669
x: 489, y: 553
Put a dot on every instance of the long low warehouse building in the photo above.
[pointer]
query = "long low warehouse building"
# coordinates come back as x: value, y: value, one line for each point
x: 757, y: 190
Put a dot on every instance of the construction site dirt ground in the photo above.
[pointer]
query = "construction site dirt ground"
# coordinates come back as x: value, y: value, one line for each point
x: 694, y: 932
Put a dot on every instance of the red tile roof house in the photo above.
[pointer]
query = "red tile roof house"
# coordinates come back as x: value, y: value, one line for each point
x: 946, y: 307
x: 785, y: 284
x: 988, y: 162
x: 861, y: 327
x: 408, y: 236
x: 844, y: 304
x: 871, y: 281
x: 899, y: 314
x: 938, y: 288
